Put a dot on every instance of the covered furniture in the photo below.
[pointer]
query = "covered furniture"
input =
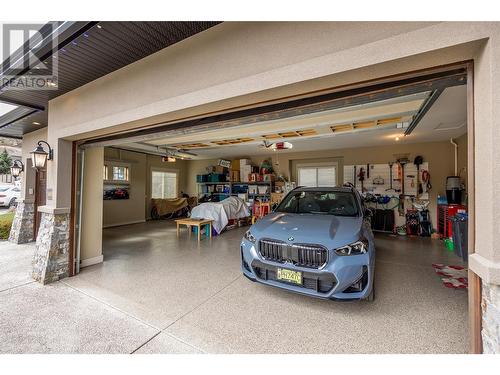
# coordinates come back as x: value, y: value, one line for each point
x: 232, y: 208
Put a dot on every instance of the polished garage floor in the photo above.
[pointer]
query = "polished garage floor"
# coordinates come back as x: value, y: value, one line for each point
x: 155, y: 293
x: 196, y: 294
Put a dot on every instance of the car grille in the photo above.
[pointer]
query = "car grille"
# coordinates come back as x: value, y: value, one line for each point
x: 319, y: 283
x: 303, y: 255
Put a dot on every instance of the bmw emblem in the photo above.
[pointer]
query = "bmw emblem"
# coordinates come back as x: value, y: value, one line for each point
x: 291, y: 239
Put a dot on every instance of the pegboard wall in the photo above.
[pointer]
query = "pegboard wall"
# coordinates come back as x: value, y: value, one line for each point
x: 378, y: 179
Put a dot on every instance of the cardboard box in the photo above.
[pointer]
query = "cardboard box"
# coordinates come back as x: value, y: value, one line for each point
x: 220, y: 169
x: 235, y: 176
x: 254, y: 177
x: 245, y: 162
x: 245, y: 171
x: 235, y: 164
x: 263, y: 189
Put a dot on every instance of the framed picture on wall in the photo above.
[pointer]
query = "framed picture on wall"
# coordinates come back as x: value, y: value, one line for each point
x: 116, y: 192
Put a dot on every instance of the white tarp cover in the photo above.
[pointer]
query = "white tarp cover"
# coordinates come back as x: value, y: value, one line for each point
x: 221, y: 212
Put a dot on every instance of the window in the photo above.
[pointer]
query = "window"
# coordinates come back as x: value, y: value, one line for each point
x: 120, y: 173
x: 105, y: 172
x: 163, y: 184
x: 317, y: 176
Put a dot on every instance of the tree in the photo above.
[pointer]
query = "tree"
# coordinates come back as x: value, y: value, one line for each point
x: 5, y: 162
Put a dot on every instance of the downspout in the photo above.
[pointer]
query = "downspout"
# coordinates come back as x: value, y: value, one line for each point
x: 456, y: 154
x: 79, y: 217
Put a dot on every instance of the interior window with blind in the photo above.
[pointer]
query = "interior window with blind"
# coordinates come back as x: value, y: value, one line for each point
x: 164, y: 185
x: 317, y: 176
x: 120, y: 173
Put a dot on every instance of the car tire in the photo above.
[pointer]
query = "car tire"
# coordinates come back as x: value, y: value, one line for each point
x: 371, y: 296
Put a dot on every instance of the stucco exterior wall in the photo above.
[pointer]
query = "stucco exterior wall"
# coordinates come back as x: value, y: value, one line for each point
x: 30, y: 141
x: 91, y: 238
x: 237, y: 64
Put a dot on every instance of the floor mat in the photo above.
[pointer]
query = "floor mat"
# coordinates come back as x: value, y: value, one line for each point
x: 452, y: 276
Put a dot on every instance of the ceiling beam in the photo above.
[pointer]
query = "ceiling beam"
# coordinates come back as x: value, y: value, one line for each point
x: 425, y: 108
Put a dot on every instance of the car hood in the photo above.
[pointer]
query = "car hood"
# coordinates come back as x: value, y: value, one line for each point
x: 327, y: 230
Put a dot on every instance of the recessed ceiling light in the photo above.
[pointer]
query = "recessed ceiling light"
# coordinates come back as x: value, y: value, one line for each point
x: 36, y: 123
x: 397, y: 138
x: 99, y: 26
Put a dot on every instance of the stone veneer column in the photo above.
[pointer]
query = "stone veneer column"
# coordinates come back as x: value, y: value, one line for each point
x: 491, y: 318
x: 50, y: 261
x: 23, y: 223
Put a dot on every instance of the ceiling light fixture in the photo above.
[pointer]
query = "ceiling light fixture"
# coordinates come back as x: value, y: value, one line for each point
x: 99, y: 26
x: 397, y: 138
x: 36, y: 123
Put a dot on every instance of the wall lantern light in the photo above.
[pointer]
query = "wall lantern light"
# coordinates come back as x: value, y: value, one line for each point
x: 39, y: 156
x: 17, y: 168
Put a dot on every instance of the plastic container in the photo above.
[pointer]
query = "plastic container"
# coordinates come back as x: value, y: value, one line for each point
x: 448, y: 243
x: 201, y: 178
x: 459, y: 224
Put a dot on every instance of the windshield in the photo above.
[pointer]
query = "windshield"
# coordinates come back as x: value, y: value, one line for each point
x: 320, y: 202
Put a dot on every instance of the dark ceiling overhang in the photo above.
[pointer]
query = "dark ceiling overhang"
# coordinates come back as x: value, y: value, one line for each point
x: 86, y: 51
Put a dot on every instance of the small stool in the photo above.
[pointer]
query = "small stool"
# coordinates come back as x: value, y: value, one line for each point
x: 198, y: 224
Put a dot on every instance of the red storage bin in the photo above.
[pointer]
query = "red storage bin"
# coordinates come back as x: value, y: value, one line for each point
x: 444, y: 213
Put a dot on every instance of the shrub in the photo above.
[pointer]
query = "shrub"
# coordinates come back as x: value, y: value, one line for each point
x: 6, y: 224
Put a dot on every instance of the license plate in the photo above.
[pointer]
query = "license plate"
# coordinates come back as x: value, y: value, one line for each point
x: 289, y: 275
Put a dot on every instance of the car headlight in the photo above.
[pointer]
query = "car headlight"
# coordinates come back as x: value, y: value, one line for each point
x: 250, y: 237
x: 356, y: 248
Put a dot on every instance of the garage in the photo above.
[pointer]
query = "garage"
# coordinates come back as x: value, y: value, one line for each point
x: 170, y: 204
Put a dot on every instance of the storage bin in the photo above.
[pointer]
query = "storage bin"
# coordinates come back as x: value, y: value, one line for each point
x: 201, y: 178
x: 263, y: 189
x: 217, y: 177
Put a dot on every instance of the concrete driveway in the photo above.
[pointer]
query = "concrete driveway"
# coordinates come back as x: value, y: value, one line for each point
x: 158, y: 294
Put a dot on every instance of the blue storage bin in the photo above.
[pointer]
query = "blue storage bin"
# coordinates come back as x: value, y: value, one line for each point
x: 202, y: 178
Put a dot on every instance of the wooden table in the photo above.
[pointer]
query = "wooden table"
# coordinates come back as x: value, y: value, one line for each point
x: 199, y: 223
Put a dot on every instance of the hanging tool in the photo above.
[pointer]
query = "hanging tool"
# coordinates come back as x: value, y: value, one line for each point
x: 426, y: 179
x: 390, y: 175
x: 419, y: 160
x: 361, y: 177
x: 402, y: 162
x: 412, y: 184
x: 367, y: 171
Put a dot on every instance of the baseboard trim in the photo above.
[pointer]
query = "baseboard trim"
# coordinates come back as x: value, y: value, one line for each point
x: 124, y: 223
x: 91, y: 261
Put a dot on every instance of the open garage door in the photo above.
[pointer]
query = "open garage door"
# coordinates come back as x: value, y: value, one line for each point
x: 402, y: 145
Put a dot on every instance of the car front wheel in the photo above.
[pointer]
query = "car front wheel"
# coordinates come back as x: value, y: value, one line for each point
x: 371, y: 296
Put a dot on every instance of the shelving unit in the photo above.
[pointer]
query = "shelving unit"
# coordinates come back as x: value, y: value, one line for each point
x: 245, y: 185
